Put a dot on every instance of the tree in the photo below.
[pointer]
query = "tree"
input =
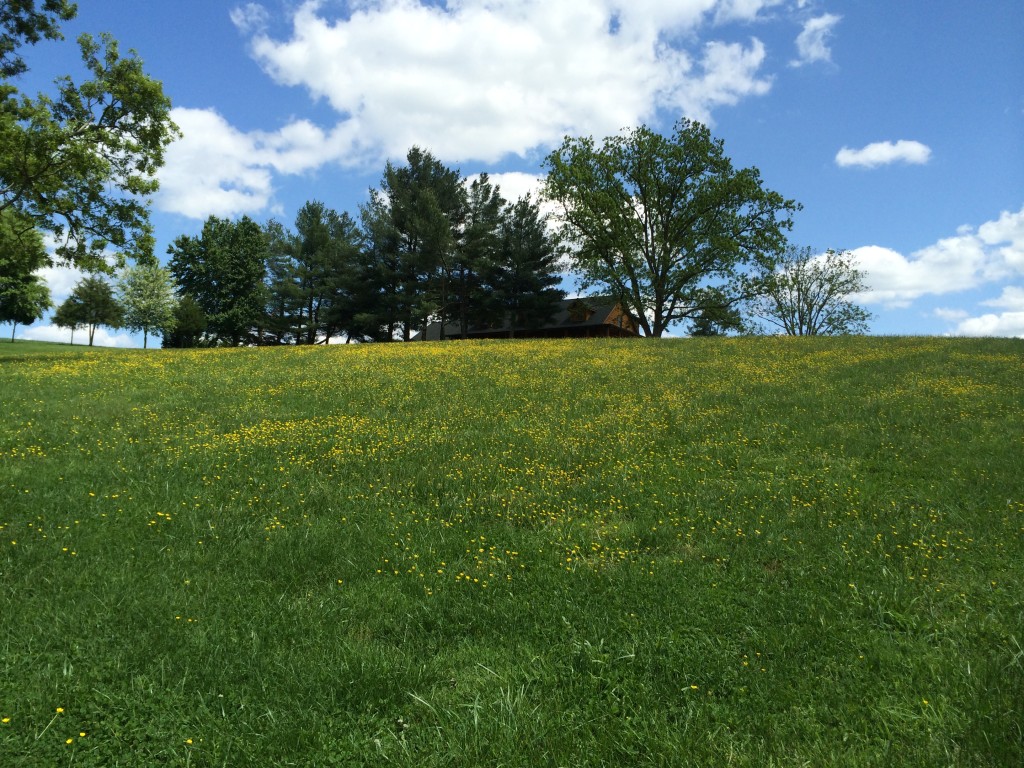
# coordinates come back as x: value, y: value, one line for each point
x: 147, y: 297
x: 655, y: 221
x: 521, y: 276
x: 809, y: 295
x: 94, y: 305
x: 223, y: 270
x: 24, y: 297
x: 68, y: 315
x: 82, y: 162
x: 188, y: 327
x: 412, y: 225
x: 22, y: 302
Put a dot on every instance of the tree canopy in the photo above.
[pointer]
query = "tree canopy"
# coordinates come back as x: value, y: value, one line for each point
x: 810, y: 295
x: 80, y: 163
x: 146, y: 292
x: 665, y: 223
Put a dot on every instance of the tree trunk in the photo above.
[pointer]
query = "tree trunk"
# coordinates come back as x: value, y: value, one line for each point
x: 13, y: 328
x: 145, y: 334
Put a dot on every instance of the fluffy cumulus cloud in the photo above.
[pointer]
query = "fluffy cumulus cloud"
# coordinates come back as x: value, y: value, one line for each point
x: 884, y: 153
x: 482, y: 80
x: 812, y: 42
x: 478, y: 80
x: 971, y: 258
x: 1009, y: 322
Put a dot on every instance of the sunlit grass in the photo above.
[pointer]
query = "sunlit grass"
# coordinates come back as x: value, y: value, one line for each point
x: 751, y: 551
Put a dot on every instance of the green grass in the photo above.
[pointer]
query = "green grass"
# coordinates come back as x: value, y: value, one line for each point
x: 721, y: 552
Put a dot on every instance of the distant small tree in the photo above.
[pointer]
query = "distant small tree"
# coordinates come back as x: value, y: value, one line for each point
x: 68, y: 315
x: 809, y: 295
x: 94, y: 303
x: 147, y: 298
x: 716, y: 317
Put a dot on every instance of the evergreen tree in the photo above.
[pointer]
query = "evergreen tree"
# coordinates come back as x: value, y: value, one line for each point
x: 523, y: 275
x: 412, y: 224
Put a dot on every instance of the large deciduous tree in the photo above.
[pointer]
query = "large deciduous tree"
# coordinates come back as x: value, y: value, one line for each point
x: 811, y: 295
x: 81, y: 162
x: 146, y: 292
x: 223, y: 270
x: 665, y: 223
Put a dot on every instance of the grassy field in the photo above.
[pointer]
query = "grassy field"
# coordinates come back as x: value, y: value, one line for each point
x: 763, y: 552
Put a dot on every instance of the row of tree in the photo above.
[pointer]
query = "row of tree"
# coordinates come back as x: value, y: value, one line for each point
x: 429, y: 247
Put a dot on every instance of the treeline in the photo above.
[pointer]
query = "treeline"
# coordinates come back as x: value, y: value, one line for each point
x: 427, y: 247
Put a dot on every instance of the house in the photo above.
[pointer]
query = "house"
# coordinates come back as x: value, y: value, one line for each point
x: 585, y: 317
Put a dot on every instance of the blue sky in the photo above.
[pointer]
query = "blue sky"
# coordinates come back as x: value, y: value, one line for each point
x: 899, y: 125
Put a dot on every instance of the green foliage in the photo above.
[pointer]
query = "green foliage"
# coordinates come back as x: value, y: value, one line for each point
x: 24, y: 297
x: 412, y: 225
x: 521, y: 277
x: 315, y: 276
x: 82, y: 162
x: 658, y: 220
x: 223, y: 270
x: 92, y: 304
x: 809, y: 295
x: 21, y: 23
x: 188, y: 327
x: 750, y: 551
x: 146, y: 293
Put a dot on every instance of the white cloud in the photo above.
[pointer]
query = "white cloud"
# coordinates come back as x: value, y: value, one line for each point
x: 102, y: 337
x: 1011, y: 298
x: 884, y: 153
x: 250, y: 18
x: 1005, y: 324
x: 215, y: 169
x: 1009, y: 323
x: 485, y: 80
x: 812, y: 42
x: 995, y: 251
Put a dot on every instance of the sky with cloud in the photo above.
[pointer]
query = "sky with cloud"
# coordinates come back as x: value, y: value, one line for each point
x: 898, y: 126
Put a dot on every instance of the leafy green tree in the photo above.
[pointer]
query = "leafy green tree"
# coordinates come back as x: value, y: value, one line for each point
x: 68, y: 316
x: 79, y: 163
x: 188, y: 327
x: 809, y: 295
x: 655, y: 220
x: 223, y: 270
x: 24, y: 297
x: 146, y: 293
x: 22, y: 302
x: 522, y: 275
x: 93, y: 303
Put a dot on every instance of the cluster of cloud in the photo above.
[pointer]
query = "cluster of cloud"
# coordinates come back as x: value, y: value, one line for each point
x: 884, y: 153
x: 480, y: 80
x: 970, y: 259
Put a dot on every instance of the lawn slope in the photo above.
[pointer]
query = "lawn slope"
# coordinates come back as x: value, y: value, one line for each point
x: 751, y: 552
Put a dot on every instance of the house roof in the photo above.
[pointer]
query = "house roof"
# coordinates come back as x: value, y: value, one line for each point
x: 579, y: 314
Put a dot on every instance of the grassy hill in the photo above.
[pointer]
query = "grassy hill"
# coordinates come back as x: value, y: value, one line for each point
x: 711, y: 552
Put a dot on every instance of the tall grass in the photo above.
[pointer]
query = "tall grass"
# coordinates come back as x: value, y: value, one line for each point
x: 746, y: 552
